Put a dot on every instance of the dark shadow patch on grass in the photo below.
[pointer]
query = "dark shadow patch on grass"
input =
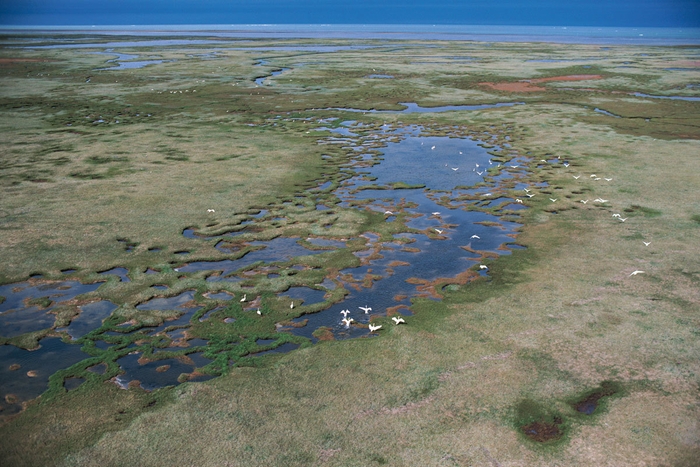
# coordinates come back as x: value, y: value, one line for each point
x: 647, y: 212
x: 538, y: 423
x: 97, y: 160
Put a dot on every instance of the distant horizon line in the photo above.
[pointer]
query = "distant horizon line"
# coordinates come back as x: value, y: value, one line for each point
x: 630, y: 35
x: 198, y: 25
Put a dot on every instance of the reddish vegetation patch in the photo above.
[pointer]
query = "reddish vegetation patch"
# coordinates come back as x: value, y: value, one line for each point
x: 686, y: 63
x: 394, y: 310
x: 134, y: 384
x: 324, y: 334
x: 527, y: 85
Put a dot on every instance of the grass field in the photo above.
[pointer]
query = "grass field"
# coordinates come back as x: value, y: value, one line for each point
x: 97, y: 167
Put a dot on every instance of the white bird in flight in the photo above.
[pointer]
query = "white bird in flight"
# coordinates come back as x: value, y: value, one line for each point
x: 552, y: 199
x: 433, y: 147
x: 636, y: 272
x: 366, y: 309
x: 455, y: 168
x: 345, y: 313
x: 347, y: 321
x: 577, y: 177
x: 608, y: 179
x: 483, y: 266
x: 439, y: 231
x: 584, y: 201
x: 646, y: 243
x: 436, y: 213
x: 518, y: 200
x: 398, y: 320
x: 475, y: 236
x: 210, y: 210
x: 373, y: 328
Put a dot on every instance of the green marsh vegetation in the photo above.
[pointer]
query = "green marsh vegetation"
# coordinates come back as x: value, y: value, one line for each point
x: 470, y: 377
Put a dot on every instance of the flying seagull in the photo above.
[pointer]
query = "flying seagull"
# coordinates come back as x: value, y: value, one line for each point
x: 636, y: 272
x: 398, y: 320
x: 374, y: 328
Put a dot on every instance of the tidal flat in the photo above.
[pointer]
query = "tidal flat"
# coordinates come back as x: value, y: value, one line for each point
x: 184, y: 222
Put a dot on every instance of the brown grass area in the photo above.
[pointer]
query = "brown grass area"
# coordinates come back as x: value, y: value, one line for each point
x: 526, y: 85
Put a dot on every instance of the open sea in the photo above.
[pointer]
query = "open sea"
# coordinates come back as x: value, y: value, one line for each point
x: 481, y: 33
